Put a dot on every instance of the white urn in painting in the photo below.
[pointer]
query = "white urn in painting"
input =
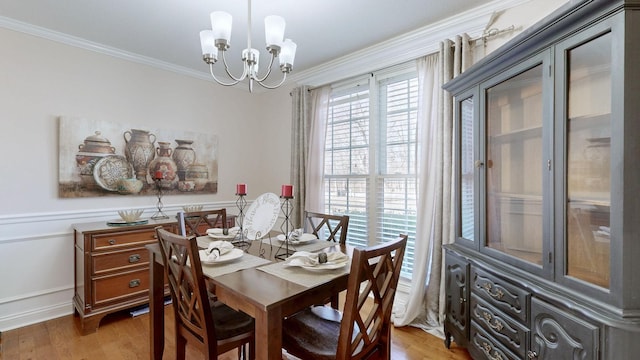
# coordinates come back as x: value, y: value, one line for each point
x: 184, y: 155
x: 139, y: 150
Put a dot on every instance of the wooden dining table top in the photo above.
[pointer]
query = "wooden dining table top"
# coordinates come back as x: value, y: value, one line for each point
x: 264, y: 296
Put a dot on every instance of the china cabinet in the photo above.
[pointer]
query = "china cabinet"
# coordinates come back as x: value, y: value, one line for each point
x: 111, y: 268
x: 544, y: 265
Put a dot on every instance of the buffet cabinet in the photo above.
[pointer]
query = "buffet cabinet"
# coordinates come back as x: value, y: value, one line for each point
x: 111, y: 268
x: 544, y: 264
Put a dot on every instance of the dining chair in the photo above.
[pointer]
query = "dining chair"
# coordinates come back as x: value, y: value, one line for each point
x: 212, y: 326
x: 331, y: 227
x: 197, y: 222
x: 364, y: 332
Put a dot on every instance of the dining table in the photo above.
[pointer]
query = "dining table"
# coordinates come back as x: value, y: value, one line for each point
x: 258, y: 284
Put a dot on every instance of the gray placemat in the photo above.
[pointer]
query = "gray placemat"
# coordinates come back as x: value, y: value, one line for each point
x: 304, y: 277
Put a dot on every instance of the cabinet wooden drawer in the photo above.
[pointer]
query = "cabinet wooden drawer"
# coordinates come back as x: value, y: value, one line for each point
x: 501, y: 294
x: 121, y: 239
x: 116, y: 287
x: 506, y: 330
x: 119, y: 260
x: 483, y: 346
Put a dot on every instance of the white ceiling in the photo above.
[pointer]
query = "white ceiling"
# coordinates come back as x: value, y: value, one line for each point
x: 168, y: 30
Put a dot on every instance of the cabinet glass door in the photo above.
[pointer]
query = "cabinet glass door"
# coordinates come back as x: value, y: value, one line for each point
x: 514, y: 163
x: 467, y: 165
x: 588, y: 148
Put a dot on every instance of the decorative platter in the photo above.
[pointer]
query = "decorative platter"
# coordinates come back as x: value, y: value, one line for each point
x: 222, y: 259
x: 120, y: 222
x: 110, y: 169
x: 261, y: 216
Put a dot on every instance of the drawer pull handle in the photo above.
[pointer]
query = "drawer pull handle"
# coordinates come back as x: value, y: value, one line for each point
x: 134, y: 258
x: 134, y: 283
x: 498, y: 294
x: 487, y: 350
x: 497, y: 325
x: 112, y: 241
x: 532, y: 354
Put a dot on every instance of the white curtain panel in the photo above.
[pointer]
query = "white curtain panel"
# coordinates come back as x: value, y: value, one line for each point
x: 314, y: 196
x: 424, y: 307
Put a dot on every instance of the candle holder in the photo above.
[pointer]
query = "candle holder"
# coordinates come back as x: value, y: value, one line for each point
x: 240, y: 239
x: 286, y: 227
x: 159, y: 215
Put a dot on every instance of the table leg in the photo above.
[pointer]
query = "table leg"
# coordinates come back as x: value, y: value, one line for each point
x: 269, y: 335
x: 156, y: 306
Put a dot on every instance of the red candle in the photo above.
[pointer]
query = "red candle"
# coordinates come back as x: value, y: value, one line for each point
x: 287, y: 191
x: 159, y: 175
x: 241, y: 189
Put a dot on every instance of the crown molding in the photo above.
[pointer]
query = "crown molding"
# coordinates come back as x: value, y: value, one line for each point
x: 81, y: 43
x: 408, y: 46
x: 403, y: 48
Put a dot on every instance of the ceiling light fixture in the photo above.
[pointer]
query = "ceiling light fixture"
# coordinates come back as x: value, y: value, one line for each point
x: 218, y: 40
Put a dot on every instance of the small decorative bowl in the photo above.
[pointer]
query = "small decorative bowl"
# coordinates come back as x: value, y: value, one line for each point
x: 129, y: 186
x: 130, y: 215
x: 192, y: 208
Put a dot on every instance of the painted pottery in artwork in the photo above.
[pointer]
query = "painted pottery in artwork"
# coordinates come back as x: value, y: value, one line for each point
x: 139, y: 150
x: 184, y: 155
x: 165, y: 164
x: 129, y: 186
x: 199, y: 174
x: 94, y: 148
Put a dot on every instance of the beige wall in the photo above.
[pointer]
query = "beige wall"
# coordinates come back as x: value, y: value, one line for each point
x: 41, y: 80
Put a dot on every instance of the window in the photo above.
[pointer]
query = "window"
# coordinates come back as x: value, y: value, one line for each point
x: 370, y: 159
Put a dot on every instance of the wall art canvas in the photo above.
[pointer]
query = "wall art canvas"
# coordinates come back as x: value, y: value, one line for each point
x: 98, y: 158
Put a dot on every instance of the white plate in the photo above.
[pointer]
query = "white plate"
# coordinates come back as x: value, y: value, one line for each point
x: 230, y: 256
x: 325, y: 266
x: 305, y: 238
x: 217, y: 234
x: 261, y: 216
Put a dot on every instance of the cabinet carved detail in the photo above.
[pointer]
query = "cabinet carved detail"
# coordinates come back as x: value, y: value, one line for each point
x: 549, y: 334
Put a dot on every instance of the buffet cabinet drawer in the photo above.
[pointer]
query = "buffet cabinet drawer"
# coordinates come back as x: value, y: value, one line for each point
x: 508, y: 298
x: 115, y: 240
x: 114, y: 288
x: 120, y: 260
x: 506, y: 330
x: 484, y: 346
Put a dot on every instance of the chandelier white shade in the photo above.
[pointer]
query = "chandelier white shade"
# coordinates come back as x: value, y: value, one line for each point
x: 218, y: 40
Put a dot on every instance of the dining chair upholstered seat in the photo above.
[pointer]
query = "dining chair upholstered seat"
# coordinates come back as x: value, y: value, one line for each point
x: 327, y: 226
x: 197, y: 222
x: 364, y: 332
x: 211, y: 326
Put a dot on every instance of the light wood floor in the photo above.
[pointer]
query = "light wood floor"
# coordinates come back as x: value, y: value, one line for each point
x: 123, y: 337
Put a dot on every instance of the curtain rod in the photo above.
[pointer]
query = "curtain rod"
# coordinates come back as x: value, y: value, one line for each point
x: 493, y: 32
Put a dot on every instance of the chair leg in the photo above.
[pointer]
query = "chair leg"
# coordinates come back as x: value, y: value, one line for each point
x: 181, y: 348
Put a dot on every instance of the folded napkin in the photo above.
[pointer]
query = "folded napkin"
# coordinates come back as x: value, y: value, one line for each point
x: 306, y: 258
x: 298, y: 238
x: 220, y: 232
x: 216, y: 249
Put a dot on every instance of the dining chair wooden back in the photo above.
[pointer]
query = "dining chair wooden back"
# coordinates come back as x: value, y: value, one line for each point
x: 212, y: 326
x: 364, y: 332
x: 330, y: 227
x: 197, y: 222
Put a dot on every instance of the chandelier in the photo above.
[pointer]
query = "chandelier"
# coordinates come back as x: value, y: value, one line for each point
x: 217, y: 41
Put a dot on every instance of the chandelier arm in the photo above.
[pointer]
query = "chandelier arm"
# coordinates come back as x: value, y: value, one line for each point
x: 226, y: 68
x: 268, y: 70
x: 221, y: 82
x: 271, y: 87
